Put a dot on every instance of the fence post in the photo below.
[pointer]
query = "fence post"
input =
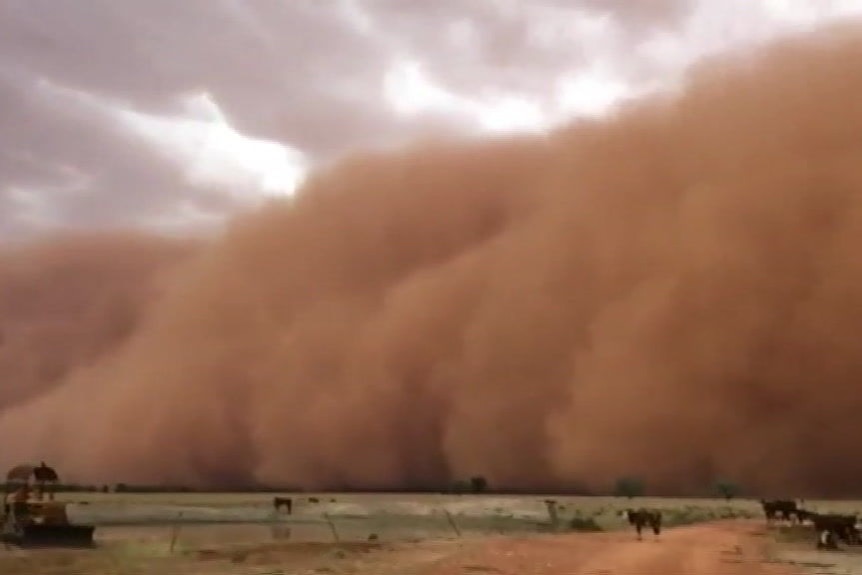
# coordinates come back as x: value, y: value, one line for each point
x: 552, y: 513
x: 175, y: 531
x: 332, y: 527
x: 452, y: 522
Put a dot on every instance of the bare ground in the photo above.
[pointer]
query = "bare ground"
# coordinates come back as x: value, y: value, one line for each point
x: 723, y: 548
x: 720, y: 548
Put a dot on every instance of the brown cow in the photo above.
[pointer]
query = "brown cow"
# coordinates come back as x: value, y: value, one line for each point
x: 643, y: 517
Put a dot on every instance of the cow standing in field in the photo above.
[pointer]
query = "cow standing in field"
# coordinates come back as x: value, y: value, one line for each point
x: 786, y: 508
x: 833, y: 527
x: 803, y: 515
x: 643, y: 517
x: 286, y: 502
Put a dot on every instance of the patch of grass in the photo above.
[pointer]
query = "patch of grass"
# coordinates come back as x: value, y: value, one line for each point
x: 680, y: 517
x: 584, y: 525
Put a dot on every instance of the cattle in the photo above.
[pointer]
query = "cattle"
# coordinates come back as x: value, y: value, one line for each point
x: 785, y: 508
x: 287, y: 502
x: 833, y: 527
x: 803, y: 515
x: 643, y: 517
x: 826, y: 540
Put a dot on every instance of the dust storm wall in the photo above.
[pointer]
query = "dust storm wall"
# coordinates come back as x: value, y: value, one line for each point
x: 675, y: 292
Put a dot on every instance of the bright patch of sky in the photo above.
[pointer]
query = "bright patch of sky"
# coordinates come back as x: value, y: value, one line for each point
x: 213, y: 152
x: 598, y: 89
x: 201, y: 140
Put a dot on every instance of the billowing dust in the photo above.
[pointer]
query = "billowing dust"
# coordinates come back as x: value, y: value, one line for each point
x: 675, y: 292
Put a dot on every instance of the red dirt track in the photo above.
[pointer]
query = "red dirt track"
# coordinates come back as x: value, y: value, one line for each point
x: 725, y: 548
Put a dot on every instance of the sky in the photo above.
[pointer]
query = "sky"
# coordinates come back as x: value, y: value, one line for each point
x: 172, y: 115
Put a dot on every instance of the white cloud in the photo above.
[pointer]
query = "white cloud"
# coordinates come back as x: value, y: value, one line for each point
x: 212, y: 151
x: 409, y: 91
x: 203, y: 143
x: 509, y: 114
x: 353, y: 12
x: 590, y: 94
x: 35, y: 205
x: 183, y: 216
x: 324, y: 78
x: 597, y: 89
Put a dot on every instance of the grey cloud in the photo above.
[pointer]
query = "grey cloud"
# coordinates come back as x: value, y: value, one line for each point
x: 516, y: 46
x: 306, y: 73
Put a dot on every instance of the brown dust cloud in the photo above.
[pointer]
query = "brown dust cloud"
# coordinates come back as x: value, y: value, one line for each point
x: 673, y: 292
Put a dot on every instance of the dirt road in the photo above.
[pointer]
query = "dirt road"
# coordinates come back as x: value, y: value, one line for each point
x: 728, y: 548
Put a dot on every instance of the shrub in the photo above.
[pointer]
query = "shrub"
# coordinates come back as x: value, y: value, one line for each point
x: 587, y: 524
x: 460, y: 486
x: 630, y: 487
x: 680, y: 517
x: 478, y: 484
x: 727, y: 489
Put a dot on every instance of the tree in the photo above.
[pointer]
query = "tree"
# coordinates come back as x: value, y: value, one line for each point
x: 478, y: 484
x: 727, y: 489
x: 630, y: 487
x: 459, y: 486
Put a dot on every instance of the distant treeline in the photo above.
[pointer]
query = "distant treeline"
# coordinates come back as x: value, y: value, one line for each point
x: 130, y: 488
x: 71, y: 488
x: 629, y: 487
x: 473, y: 485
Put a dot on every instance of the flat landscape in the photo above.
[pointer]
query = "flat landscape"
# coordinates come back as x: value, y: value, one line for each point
x: 241, y: 534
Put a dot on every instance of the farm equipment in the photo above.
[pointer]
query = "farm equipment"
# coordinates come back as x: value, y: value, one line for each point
x: 30, y: 520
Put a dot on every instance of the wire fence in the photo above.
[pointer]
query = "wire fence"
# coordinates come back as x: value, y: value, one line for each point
x: 308, y: 526
x: 360, y: 520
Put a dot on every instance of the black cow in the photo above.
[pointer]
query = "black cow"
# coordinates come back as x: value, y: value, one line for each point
x: 786, y: 508
x: 287, y: 502
x: 643, y: 517
x: 803, y: 515
x: 834, y: 526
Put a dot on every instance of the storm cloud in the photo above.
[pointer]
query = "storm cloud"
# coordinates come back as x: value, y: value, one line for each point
x: 108, y: 111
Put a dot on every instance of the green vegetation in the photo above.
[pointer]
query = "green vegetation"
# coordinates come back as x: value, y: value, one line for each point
x: 478, y: 484
x: 475, y: 485
x: 584, y: 524
x: 459, y: 487
x: 62, y: 488
x: 629, y: 487
x: 727, y: 489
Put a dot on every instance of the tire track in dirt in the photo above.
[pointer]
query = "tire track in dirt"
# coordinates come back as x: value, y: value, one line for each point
x: 722, y: 548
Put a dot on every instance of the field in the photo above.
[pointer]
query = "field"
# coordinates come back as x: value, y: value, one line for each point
x: 240, y: 534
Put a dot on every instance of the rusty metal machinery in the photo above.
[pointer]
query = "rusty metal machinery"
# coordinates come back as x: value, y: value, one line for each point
x: 31, y: 516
